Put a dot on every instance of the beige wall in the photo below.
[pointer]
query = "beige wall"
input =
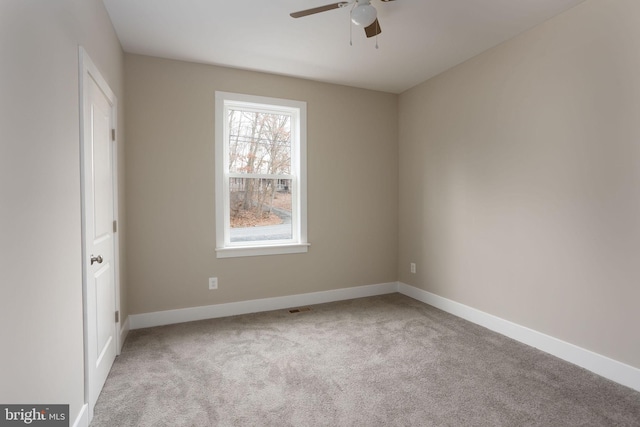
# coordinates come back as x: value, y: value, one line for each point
x: 520, y: 180
x: 352, y: 188
x: 40, y: 252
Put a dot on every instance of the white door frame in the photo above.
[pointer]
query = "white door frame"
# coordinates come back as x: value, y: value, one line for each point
x: 88, y: 70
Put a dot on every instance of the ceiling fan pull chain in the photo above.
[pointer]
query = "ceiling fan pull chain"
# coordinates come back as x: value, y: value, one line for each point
x: 350, y: 32
x: 353, y: 6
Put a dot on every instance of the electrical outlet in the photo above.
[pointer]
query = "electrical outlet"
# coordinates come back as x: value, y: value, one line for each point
x: 213, y: 283
x: 413, y: 267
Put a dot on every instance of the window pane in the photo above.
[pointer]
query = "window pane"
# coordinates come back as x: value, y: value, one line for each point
x: 260, y: 157
x: 259, y: 142
x: 260, y: 209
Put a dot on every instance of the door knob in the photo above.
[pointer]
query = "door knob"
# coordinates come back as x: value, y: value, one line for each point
x: 97, y: 259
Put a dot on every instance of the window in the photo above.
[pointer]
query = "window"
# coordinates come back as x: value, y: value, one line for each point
x: 260, y: 176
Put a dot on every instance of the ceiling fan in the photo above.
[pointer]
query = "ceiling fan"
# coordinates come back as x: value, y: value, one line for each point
x: 362, y: 14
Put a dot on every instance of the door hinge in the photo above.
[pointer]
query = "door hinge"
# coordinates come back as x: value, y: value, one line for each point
x: 115, y: 226
x: 113, y: 134
x: 117, y: 316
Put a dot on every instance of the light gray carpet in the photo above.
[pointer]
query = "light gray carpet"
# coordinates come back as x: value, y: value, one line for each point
x: 380, y: 361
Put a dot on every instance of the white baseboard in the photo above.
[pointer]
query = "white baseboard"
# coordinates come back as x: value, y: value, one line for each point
x: 82, y: 420
x: 124, y: 331
x: 158, y: 318
x: 606, y: 367
x: 611, y: 369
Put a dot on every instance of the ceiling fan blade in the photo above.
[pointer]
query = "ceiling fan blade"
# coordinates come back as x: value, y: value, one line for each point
x: 317, y: 9
x: 373, y: 29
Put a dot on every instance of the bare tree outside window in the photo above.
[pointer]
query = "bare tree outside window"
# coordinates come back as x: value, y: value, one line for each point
x: 259, y: 147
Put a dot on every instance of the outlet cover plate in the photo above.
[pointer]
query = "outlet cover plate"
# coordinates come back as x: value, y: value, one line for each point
x: 213, y: 283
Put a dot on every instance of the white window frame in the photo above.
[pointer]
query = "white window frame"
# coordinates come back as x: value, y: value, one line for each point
x: 298, y: 111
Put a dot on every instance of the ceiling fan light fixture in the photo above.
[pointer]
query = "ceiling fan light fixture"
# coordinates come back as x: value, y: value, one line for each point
x: 364, y: 15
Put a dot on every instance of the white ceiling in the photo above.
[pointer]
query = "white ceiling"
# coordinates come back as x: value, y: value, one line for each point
x: 420, y: 38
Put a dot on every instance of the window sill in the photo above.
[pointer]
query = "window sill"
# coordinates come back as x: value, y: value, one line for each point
x: 242, y: 251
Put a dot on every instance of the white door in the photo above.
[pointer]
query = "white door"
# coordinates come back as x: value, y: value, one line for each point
x: 99, y: 228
